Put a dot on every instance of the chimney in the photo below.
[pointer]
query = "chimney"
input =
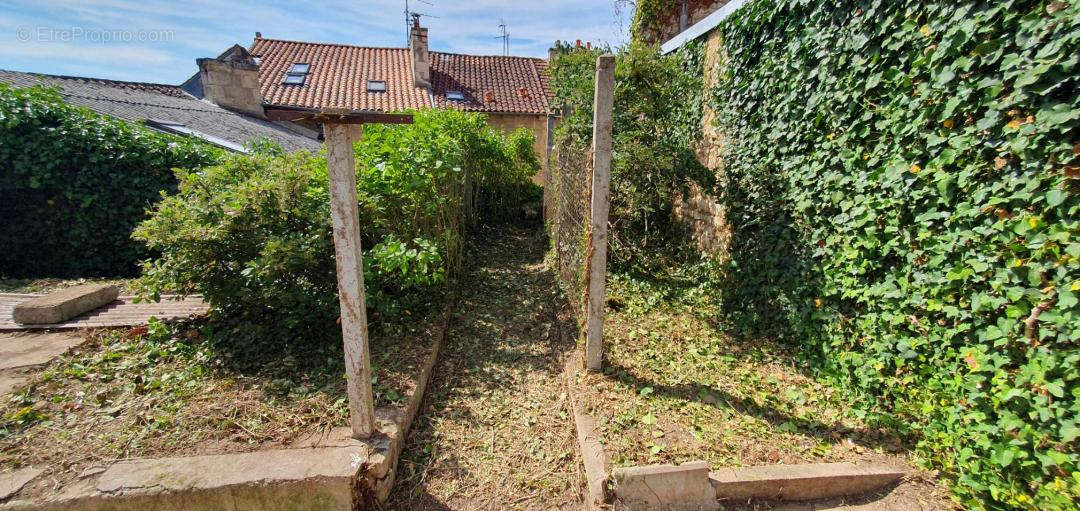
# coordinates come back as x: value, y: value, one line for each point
x: 231, y: 81
x: 421, y: 61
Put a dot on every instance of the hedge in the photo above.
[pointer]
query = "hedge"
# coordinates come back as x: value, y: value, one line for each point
x: 901, y: 183
x: 75, y: 183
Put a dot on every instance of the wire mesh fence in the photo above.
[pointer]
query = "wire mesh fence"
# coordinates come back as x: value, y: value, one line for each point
x: 570, y: 216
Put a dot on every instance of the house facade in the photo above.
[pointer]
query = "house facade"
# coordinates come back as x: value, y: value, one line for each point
x: 511, y: 92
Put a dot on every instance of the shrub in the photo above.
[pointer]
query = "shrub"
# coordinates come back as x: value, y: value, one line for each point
x: 75, y: 183
x: 253, y: 234
x: 656, y: 125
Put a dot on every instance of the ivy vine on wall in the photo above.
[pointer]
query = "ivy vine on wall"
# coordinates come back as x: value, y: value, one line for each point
x: 901, y: 179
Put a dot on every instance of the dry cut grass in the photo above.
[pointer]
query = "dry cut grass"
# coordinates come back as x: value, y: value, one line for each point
x: 495, y: 431
x: 675, y: 389
x: 172, y: 391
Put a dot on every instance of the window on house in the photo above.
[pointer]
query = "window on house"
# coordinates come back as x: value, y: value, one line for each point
x: 376, y: 86
x: 455, y: 95
x: 297, y: 74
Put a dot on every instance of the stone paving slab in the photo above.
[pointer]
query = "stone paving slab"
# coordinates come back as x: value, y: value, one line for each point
x: 11, y: 482
x: 121, y: 312
x: 29, y: 349
x: 8, y: 382
x: 64, y: 304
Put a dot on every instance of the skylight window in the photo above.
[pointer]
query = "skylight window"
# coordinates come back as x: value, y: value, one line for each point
x: 297, y: 74
x: 455, y: 95
x: 376, y: 86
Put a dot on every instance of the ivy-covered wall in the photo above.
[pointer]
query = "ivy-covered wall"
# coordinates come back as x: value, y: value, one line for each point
x: 74, y: 184
x: 901, y: 182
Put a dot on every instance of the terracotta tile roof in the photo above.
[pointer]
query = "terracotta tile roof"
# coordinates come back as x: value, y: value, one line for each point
x: 338, y: 76
x: 490, y: 83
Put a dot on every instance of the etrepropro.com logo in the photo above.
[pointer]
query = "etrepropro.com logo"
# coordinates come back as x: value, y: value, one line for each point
x: 93, y: 35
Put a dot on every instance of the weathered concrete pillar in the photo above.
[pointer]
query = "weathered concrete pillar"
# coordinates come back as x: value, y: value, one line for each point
x: 603, y: 100
x: 350, y: 273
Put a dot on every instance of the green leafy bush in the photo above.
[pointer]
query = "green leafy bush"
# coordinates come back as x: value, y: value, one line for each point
x: 74, y: 184
x: 900, y: 178
x: 253, y: 234
x: 656, y: 124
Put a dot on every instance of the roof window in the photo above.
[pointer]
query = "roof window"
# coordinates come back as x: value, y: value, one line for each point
x: 455, y: 95
x: 376, y: 86
x: 297, y: 74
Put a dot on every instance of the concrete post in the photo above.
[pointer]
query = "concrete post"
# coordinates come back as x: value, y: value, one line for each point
x: 601, y: 179
x: 350, y: 273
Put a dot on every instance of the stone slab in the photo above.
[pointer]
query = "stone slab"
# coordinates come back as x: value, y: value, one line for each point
x: 64, y: 304
x: 802, y: 482
x: 11, y: 482
x: 593, y: 456
x: 665, y: 487
x: 8, y: 383
x: 29, y: 349
x: 284, y: 479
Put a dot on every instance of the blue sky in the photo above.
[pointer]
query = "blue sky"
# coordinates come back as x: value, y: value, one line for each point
x: 158, y: 40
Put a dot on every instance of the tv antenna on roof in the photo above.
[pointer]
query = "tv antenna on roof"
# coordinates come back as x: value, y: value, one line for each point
x: 413, y: 18
x: 505, y: 37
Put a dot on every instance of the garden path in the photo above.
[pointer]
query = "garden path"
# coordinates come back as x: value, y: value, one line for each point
x: 494, y: 431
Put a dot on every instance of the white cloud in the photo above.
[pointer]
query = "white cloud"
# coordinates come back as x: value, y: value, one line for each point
x: 204, y: 28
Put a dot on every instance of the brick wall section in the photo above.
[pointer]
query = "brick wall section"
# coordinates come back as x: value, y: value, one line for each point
x: 537, y: 124
x: 703, y: 215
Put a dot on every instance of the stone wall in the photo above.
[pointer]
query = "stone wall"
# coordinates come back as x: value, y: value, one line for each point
x: 231, y: 85
x: 703, y: 215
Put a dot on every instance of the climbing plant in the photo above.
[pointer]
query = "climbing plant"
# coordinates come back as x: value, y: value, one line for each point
x: 656, y: 126
x: 901, y: 182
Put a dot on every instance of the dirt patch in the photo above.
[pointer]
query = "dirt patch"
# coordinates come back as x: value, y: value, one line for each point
x: 169, y: 391
x: 495, y: 431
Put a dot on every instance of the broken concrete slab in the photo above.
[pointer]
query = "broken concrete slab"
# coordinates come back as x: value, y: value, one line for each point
x: 11, y: 482
x: 29, y: 349
x: 9, y: 382
x: 802, y: 482
x: 64, y: 304
x: 665, y: 487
